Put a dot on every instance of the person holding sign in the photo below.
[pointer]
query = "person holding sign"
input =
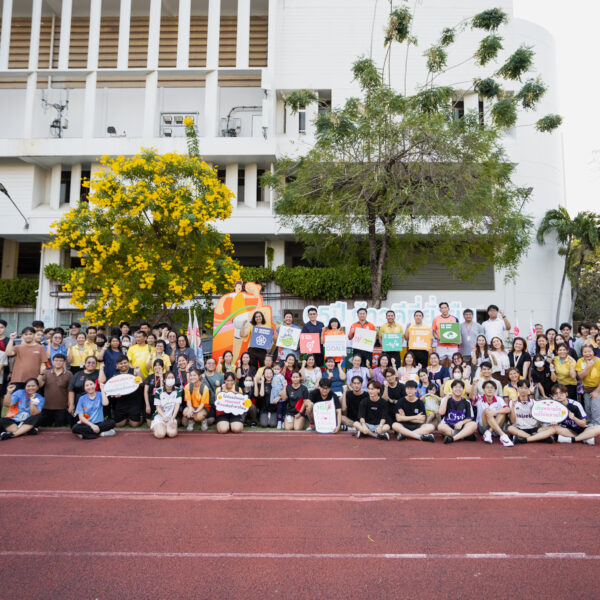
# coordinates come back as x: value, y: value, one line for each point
x: 324, y: 394
x: 127, y: 407
x: 228, y: 422
x: 574, y: 428
x: 389, y: 342
x: 258, y: 352
x: 167, y: 400
x: 524, y: 428
x: 334, y: 328
x: 445, y: 347
x: 24, y: 410
x: 288, y: 324
x: 90, y: 413
x: 362, y: 323
x: 411, y: 416
x: 419, y: 337
x: 457, y: 416
x: 373, y: 415
x: 314, y: 326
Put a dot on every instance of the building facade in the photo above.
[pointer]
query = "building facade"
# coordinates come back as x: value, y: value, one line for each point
x: 84, y: 78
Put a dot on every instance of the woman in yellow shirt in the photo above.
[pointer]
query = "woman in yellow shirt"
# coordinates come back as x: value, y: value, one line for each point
x: 457, y: 374
x: 79, y: 352
x: 564, y: 365
x: 510, y: 391
x: 588, y: 370
x: 159, y: 351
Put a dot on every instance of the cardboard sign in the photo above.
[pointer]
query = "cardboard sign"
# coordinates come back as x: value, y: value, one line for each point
x: 335, y: 345
x: 288, y: 337
x: 391, y: 342
x: 450, y: 333
x: 232, y: 403
x: 309, y: 343
x: 549, y: 411
x: 262, y: 337
x: 324, y: 416
x: 364, y: 339
x: 419, y: 338
x: 121, y: 385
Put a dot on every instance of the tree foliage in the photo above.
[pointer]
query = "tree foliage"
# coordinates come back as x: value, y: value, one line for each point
x: 587, y: 307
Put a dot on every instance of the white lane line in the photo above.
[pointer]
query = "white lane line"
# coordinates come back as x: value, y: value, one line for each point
x: 289, y: 497
x: 288, y: 555
x: 206, y: 458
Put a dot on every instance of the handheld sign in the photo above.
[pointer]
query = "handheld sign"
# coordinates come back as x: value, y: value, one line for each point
x: 324, y: 416
x: 549, y: 411
x: 364, y: 339
x: 335, y: 345
x: 288, y: 337
x: 262, y: 337
x: 309, y: 343
x: 121, y: 385
x: 450, y: 333
x: 232, y: 403
x: 391, y: 342
x: 419, y: 338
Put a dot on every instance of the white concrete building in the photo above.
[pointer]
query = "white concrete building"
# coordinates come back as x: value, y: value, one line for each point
x: 128, y: 71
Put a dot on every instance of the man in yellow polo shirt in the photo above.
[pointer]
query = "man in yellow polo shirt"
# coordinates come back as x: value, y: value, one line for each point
x: 390, y: 326
x: 139, y: 353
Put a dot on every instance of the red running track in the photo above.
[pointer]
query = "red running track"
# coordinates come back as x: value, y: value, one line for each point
x: 272, y: 515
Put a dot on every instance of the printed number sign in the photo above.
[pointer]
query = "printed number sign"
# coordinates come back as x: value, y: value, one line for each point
x: 121, y: 385
x: 288, y: 337
x: 335, y: 345
x: 232, y: 403
x: 262, y: 337
x: 309, y: 343
x: 549, y: 411
x: 364, y: 339
x: 419, y: 338
x: 391, y: 342
x: 324, y: 416
x: 449, y: 333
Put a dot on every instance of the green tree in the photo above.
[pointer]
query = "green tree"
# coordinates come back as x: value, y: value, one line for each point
x: 397, y: 179
x: 587, y: 307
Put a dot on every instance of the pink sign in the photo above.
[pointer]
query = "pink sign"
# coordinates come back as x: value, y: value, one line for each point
x: 310, y: 343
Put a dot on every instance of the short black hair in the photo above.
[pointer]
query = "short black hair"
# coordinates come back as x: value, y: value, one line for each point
x: 325, y: 382
x: 356, y: 378
x: 123, y: 323
x: 442, y: 304
x: 3, y: 322
x: 485, y: 363
x: 420, y: 312
x: 467, y: 310
x: 59, y: 355
x: 522, y: 383
x: 361, y: 309
x: 121, y: 358
x: 39, y: 324
x: 492, y: 307
x: 489, y: 382
x: 75, y: 324
x: 91, y: 327
x: 59, y: 330
x: 457, y: 382
x: 27, y: 330
x: 563, y: 325
x: 375, y: 384
x: 411, y: 384
x: 311, y: 308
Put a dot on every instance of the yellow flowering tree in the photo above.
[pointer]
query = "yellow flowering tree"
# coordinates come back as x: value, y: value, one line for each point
x: 147, y: 237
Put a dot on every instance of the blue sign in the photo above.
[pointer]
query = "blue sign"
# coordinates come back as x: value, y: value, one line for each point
x: 262, y: 337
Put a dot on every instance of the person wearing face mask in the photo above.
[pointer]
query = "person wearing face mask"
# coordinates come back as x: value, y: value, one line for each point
x: 167, y: 400
x: 457, y: 375
x: 248, y: 389
x: 543, y: 376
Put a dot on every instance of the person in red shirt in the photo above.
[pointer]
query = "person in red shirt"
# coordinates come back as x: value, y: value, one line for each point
x: 362, y: 323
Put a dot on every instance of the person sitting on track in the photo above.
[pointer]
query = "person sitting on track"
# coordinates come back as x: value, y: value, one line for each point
x: 491, y: 414
x: 167, y: 400
x: 197, y: 400
x: 574, y: 428
x: 90, y: 413
x: 323, y: 393
x: 457, y: 416
x: 24, y: 410
x: 128, y: 408
x: 410, y: 416
x: 373, y: 414
x: 524, y: 428
x: 351, y: 399
x: 228, y: 422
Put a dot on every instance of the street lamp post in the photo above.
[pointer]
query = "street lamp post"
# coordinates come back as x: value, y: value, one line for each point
x: 5, y: 192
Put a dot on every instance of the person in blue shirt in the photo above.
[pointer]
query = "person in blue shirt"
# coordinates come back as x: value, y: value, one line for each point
x: 90, y: 412
x: 55, y: 346
x: 24, y: 410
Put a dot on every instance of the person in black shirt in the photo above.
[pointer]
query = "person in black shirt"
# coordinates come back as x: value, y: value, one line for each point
x: 411, y: 417
x: 457, y: 416
x: 128, y: 408
x: 543, y: 376
x: 373, y: 415
x: 351, y: 400
x: 151, y: 383
x: 393, y: 391
x: 323, y: 393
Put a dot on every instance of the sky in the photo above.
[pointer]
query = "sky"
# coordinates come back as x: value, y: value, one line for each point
x: 574, y: 26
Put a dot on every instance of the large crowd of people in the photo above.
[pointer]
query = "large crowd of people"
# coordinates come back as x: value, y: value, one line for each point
x: 481, y: 387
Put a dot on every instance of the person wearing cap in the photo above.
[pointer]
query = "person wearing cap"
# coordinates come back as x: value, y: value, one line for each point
x: 469, y: 332
x: 495, y: 326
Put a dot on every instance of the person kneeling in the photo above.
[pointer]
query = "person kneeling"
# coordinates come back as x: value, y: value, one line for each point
x: 92, y: 423
x: 457, y: 416
x: 411, y: 417
x: 227, y: 422
x: 372, y: 415
x: 574, y: 428
x: 197, y: 400
x: 166, y: 401
x: 525, y: 428
x: 24, y: 412
x: 491, y: 414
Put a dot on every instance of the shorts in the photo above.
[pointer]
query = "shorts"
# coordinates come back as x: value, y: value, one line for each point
x: 229, y: 418
x: 128, y: 410
x: 32, y: 420
x: 483, y: 429
x: 371, y: 427
x: 531, y: 431
x: 411, y: 426
x: 446, y: 352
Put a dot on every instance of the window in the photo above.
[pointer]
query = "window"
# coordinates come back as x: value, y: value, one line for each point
x: 249, y: 254
x: 481, y: 108
x: 221, y: 175
x: 260, y: 191
x: 65, y: 187
x: 30, y: 254
x: 241, y: 184
x: 458, y: 109
x: 302, y: 119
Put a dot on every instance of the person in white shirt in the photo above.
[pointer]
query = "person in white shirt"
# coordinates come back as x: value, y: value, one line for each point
x: 524, y: 428
x: 491, y: 414
x: 495, y: 327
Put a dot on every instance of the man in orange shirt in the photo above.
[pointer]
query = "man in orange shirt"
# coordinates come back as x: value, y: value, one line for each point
x: 362, y: 323
x: 445, y: 351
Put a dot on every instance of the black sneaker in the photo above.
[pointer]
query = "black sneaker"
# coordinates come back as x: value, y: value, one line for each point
x: 517, y: 439
x: 253, y: 424
x: 384, y: 436
x: 448, y: 439
x: 33, y: 431
x: 399, y: 436
x: 549, y: 440
x: 6, y: 435
x: 471, y: 438
x: 343, y: 427
x: 428, y: 437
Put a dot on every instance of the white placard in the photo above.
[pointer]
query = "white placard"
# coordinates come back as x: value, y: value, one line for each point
x: 549, y: 411
x: 335, y: 345
x: 324, y: 416
x: 364, y: 339
x: 232, y: 403
x: 288, y: 337
x: 121, y: 385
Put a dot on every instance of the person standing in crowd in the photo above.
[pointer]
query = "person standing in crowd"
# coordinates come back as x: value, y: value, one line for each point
x: 519, y: 358
x: 437, y: 373
x: 362, y: 323
x: 457, y: 416
x: 565, y: 330
x: 310, y: 372
x: 4, y: 339
x: 24, y: 413
x: 56, y: 382
x: 77, y: 383
x: 469, y: 331
x: 358, y: 370
x: 91, y: 332
x: 90, y: 413
x: 78, y: 353
x: 257, y: 355
x: 510, y: 391
x: 410, y: 369
x: 245, y: 368
x: 288, y: 321
x: 551, y: 336
x: 571, y: 352
x: 373, y: 415
x: 494, y: 326
x: 290, y: 364
x: 140, y: 352
x: 125, y: 329
x: 160, y: 351
x: 444, y: 350
x: 458, y: 360
x: 336, y: 374
x: 167, y: 400
x: 74, y: 331
x: 524, y: 428
x: 588, y: 371
x: 575, y: 427
x: 314, y: 326
x: 127, y: 407
x: 109, y: 354
x: 183, y: 348
x: 334, y: 327
x: 457, y: 375
x: 378, y: 372
x: 390, y: 326
x: 267, y: 412
x: 480, y: 354
x: 291, y: 411
x: 226, y: 364
x: 491, y: 414
x: 500, y: 360
x: 213, y: 380
x: 420, y: 353
x: 55, y: 346
x: 155, y: 380
x: 482, y: 378
x: 542, y: 347
x: 538, y: 330
x: 267, y: 364
x: 30, y: 358
x: 564, y: 367
x: 583, y: 338
x: 543, y: 376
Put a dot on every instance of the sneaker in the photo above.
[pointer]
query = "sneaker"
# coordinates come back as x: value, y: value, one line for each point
x: 190, y: 426
x: 428, y: 437
x: 351, y: 429
x: 359, y: 434
x: 33, y: 431
x: 549, y: 440
x: 204, y: 425
x: 563, y: 439
x: 279, y: 424
x: 487, y: 436
x: 471, y: 438
x: 108, y: 433
x: 384, y: 436
x: 343, y: 427
x: 399, y: 436
x: 79, y: 436
x: 310, y: 428
x: 517, y: 439
x: 253, y: 424
x: 506, y: 441
x: 6, y: 435
x: 448, y: 439
x: 590, y: 441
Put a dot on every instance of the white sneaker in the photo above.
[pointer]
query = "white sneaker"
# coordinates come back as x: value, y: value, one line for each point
x: 351, y: 429
x: 204, y: 425
x: 487, y: 436
x: 108, y: 433
x: 590, y: 441
x: 279, y: 425
x: 564, y: 439
x: 190, y: 426
x: 506, y: 441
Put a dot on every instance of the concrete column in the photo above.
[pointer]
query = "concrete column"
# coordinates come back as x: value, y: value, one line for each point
x: 231, y: 181
x: 124, y: 22
x: 89, y: 104
x: 75, y: 190
x: 150, y: 104
x: 65, y: 34
x: 29, y: 103
x: 94, y: 35
x: 34, y: 40
x: 183, y: 34
x: 214, y: 30
x: 55, y: 186
x: 272, y: 18
x: 279, y: 254
x: 10, y: 259
x: 242, y: 53
x: 211, y: 104
x: 5, y: 33
x: 250, y: 181
x: 154, y: 34
x: 47, y: 306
